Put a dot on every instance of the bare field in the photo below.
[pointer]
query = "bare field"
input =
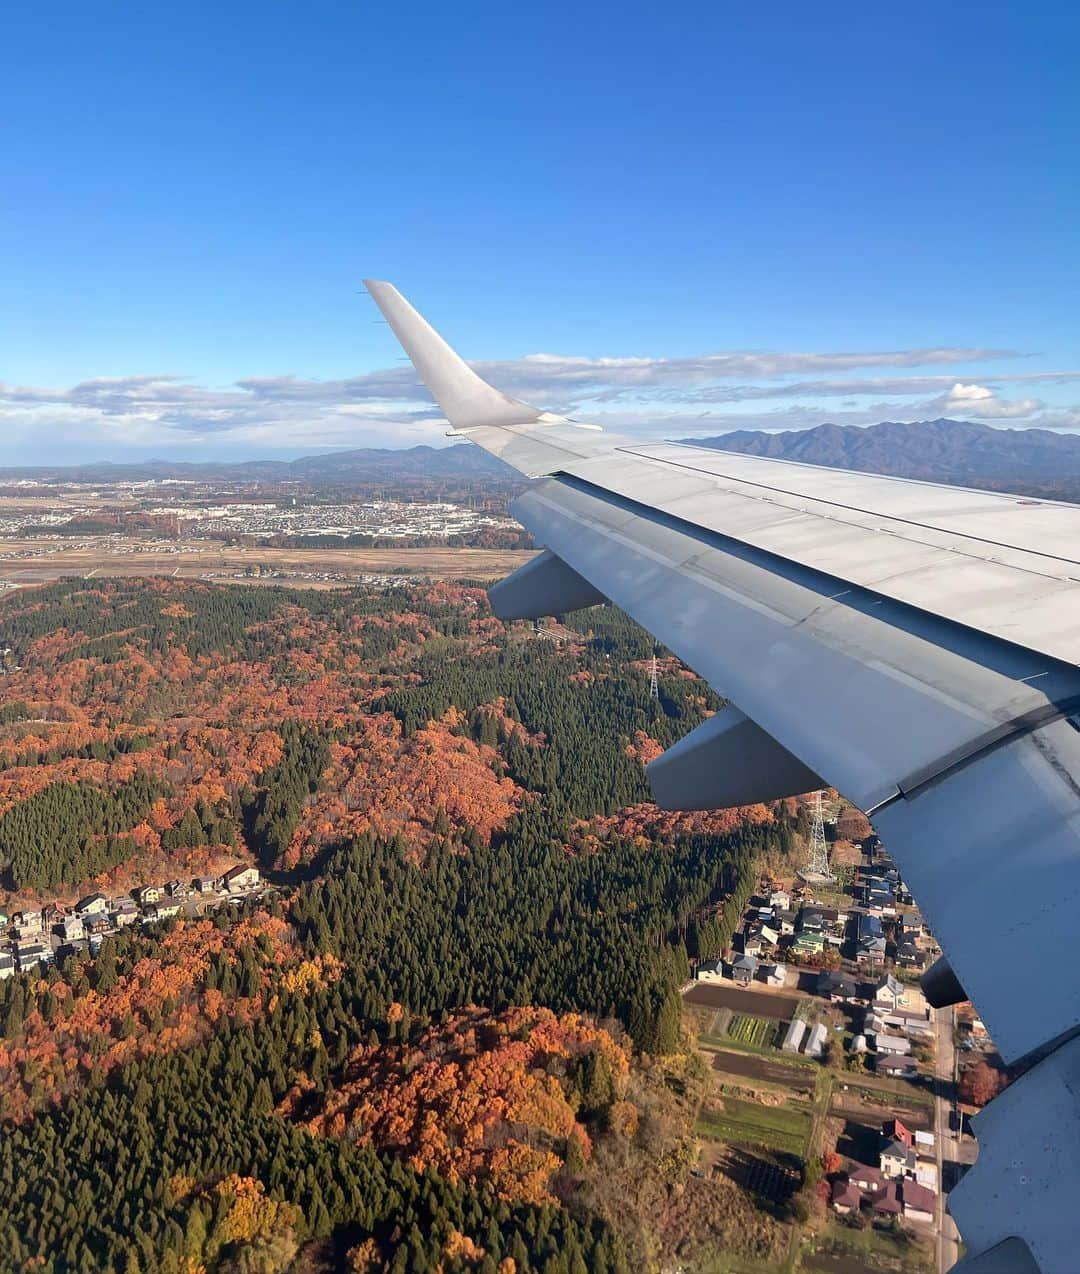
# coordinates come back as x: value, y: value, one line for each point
x: 41, y: 560
x: 761, y: 1003
x: 763, y: 1069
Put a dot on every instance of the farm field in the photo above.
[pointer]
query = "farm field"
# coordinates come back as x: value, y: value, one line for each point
x: 42, y: 560
x: 870, y: 1251
x: 769, y: 1004
x: 758, y: 1031
x: 745, y: 1123
x: 851, y: 1098
x: 800, y: 1078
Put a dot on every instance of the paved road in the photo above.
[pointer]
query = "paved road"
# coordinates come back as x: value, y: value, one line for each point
x: 947, y: 1140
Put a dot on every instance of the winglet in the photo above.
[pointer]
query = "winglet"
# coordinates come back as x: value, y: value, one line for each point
x: 467, y: 401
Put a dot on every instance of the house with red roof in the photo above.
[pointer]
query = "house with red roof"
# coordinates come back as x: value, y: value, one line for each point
x: 897, y: 1130
x: 846, y: 1196
x: 919, y: 1203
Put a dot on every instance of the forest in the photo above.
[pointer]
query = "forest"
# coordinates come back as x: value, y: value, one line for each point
x: 463, y: 992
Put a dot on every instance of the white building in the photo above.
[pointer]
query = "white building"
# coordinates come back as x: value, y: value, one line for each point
x: 239, y: 878
x: 896, y: 1045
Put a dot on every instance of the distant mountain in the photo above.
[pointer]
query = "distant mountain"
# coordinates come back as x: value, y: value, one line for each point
x: 957, y: 451
x: 364, y: 465
x: 1030, y: 461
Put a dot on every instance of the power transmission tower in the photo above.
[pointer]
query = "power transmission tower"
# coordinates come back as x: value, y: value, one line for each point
x: 817, y: 856
x: 654, y: 686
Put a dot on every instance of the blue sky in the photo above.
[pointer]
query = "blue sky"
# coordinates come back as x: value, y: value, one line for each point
x: 191, y: 194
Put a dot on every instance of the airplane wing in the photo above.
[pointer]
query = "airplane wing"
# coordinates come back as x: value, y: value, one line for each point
x: 916, y: 646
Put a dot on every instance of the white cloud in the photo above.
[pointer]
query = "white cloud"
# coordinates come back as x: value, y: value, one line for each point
x: 642, y: 395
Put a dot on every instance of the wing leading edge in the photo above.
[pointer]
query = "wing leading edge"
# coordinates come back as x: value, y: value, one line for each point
x: 915, y: 645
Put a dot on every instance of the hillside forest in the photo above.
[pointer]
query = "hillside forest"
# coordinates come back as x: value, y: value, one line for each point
x: 448, y: 1037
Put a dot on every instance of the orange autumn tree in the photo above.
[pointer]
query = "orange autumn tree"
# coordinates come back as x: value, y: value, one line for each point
x: 421, y: 786
x: 164, y: 1004
x: 494, y: 1097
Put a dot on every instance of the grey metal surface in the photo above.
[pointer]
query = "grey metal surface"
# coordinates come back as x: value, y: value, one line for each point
x: 1024, y: 1183
x: 728, y: 760
x: 543, y: 586
x: 1013, y: 1256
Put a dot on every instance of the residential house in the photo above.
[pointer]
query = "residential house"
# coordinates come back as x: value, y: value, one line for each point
x: 919, y: 1203
x: 886, y: 1201
x: 897, y: 1067
x: 124, y: 912
x: 97, y: 923
x: 148, y: 895
x: 870, y: 952
x: 811, y: 920
x: 835, y: 986
x: 751, y: 942
x: 5, y: 919
x: 710, y: 971
x: 815, y: 1040
x: 889, y: 993
x: 91, y: 905
x: 773, y: 974
x: 178, y: 889
x: 780, y: 898
x: 743, y: 969
x: 794, y: 1036
x: 924, y: 1142
x: 898, y: 1045
x: 908, y: 955
x: 846, y: 1196
x: 809, y: 943
x: 868, y: 926
x: 896, y: 1160
x: 911, y: 1025
x: 897, y: 1130
x: 784, y: 921
x: 164, y: 910
x: 71, y: 928
x: 240, y: 878
x: 205, y: 884
x: 866, y: 1178
x: 769, y: 936
x: 7, y: 965
x: 29, y: 954
x: 28, y: 920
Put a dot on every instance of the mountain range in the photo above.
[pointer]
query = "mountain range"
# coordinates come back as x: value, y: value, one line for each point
x: 955, y: 451
x: 366, y: 464
x: 1030, y: 461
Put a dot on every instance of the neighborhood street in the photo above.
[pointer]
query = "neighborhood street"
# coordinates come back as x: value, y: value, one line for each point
x: 948, y: 1137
